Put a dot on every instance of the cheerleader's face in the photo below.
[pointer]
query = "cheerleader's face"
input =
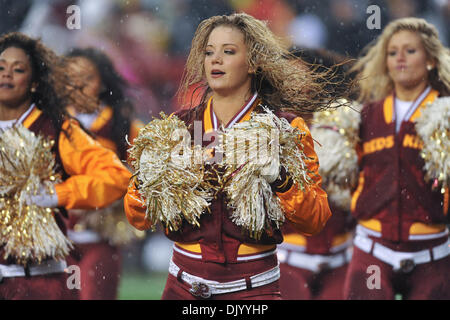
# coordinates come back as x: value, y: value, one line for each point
x: 407, y: 60
x: 225, y: 63
x: 86, y: 76
x: 15, y: 77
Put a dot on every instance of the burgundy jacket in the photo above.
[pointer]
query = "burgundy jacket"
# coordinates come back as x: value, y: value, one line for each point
x: 218, y: 236
x: 392, y: 194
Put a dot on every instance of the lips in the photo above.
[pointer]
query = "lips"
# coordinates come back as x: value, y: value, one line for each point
x: 6, y: 86
x: 217, y: 73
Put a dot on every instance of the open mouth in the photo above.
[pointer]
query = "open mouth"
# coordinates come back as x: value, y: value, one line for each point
x: 217, y: 73
x: 6, y: 86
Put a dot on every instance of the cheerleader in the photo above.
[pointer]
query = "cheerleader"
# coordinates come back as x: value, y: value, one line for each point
x: 401, y: 244
x: 241, y: 67
x: 314, y: 268
x: 111, y: 122
x: 33, y: 94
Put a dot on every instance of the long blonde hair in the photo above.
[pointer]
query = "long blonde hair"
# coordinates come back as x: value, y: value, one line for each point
x: 279, y: 81
x: 374, y: 80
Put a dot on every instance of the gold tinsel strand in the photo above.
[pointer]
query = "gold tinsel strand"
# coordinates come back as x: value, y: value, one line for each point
x: 170, y: 173
x: 336, y: 133
x: 29, y: 233
x: 433, y: 128
x: 247, y: 148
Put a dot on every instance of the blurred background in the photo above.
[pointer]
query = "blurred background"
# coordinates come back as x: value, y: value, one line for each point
x: 148, y: 41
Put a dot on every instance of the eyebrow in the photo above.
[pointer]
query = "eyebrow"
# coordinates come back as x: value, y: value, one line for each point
x: 14, y: 62
x: 225, y: 44
x: 394, y: 46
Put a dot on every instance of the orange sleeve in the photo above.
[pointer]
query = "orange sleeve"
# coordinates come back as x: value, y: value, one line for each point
x: 107, y: 143
x: 307, y: 210
x: 135, y: 209
x: 136, y: 125
x: 97, y: 176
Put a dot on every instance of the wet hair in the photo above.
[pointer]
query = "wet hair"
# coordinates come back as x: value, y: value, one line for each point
x: 46, y: 71
x: 280, y: 82
x: 54, y: 89
x: 322, y: 61
x: 112, y: 94
x: 374, y: 80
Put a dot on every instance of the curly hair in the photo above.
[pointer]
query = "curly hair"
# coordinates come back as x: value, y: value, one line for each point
x: 324, y: 61
x: 374, y: 80
x: 279, y: 81
x: 112, y: 94
x: 54, y: 90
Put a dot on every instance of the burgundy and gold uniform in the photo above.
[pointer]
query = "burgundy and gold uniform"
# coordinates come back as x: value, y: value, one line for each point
x: 314, y: 267
x: 219, y: 250
x: 93, y: 177
x: 99, y: 261
x: 401, y: 218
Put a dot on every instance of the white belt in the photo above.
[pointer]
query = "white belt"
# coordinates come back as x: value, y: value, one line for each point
x: 85, y: 236
x: 361, y: 230
x: 205, y: 288
x: 401, y: 260
x: 47, y: 267
x: 314, y: 262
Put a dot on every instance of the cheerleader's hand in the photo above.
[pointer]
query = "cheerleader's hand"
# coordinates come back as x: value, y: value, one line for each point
x: 271, y: 171
x: 44, y: 198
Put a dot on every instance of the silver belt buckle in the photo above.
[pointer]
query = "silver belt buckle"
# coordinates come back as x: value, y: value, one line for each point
x: 200, y: 289
x: 407, y: 265
x: 323, y: 266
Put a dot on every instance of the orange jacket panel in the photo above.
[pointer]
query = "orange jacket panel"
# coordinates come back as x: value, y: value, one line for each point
x: 97, y: 177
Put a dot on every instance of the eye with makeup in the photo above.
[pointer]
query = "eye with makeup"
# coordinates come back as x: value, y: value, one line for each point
x: 229, y: 51
x: 392, y: 53
x: 16, y: 69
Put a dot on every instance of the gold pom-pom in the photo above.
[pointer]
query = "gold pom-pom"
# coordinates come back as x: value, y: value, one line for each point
x: 247, y: 148
x: 28, y: 233
x: 336, y: 133
x: 170, y: 173
x: 433, y: 128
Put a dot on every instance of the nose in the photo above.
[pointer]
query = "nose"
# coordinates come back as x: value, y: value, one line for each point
x: 217, y: 58
x: 401, y: 56
x: 6, y: 73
